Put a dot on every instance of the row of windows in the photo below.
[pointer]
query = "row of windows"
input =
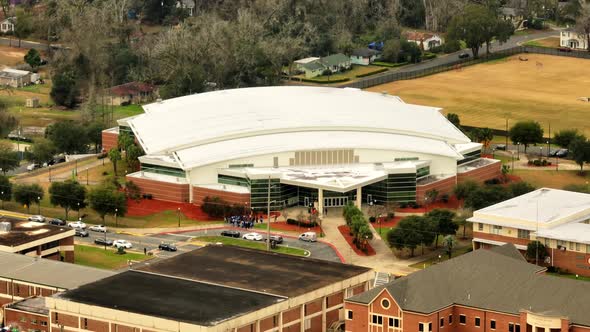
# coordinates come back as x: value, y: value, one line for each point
x: 163, y: 170
x: 33, y: 321
x: 573, y: 246
x: 378, y: 320
x: 470, y: 156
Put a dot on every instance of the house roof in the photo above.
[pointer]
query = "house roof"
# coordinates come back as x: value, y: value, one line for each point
x: 255, y: 270
x: 48, y: 272
x: 13, y: 73
x: 35, y: 305
x: 364, y: 52
x: 335, y: 59
x: 131, y: 88
x: 493, y: 280
x: 418, y: 36
x: 313, y: 65
x: 203, y: 119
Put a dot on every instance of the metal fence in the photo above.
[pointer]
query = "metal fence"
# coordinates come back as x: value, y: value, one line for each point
x: 458, y: 64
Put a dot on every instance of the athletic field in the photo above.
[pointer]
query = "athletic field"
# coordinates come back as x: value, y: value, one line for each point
x: 544, y: 88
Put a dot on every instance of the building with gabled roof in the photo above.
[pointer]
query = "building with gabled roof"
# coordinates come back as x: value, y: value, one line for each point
x: 485, y: 290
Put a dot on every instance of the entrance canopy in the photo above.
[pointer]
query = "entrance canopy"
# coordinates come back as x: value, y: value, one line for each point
x: 333, y: 178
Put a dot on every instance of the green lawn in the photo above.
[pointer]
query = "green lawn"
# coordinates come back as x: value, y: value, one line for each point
x: 104, y: 259
x: 444, y: 257
x: 127, y: 111
x: 251, y: 244
x: 568, y: 275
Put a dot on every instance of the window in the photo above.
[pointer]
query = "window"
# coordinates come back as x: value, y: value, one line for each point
x: 275, y: 162
x: 56, y: 317
x: 480, y: 227
x: 442, y: 322
x: 510, y: 327
x: 462, y: 319
x: 496, y: 229
x: 547, y: 243
x: 393, y: 322
x: 33, y: 321
x: 349, y: 314
x: 450, y: 319
x: 377, y: 320
x: 85, y: 323
x: 571, y: 245
x: 420, y: 327
x: 577, y: 246
x: 493, y: 324
x: 477, y: 321
x: 516, y: 327
x: 429, y: 327
x: 588, y: 248
x: 23, y: 319
x: 524, y: 234
x: 385, y: 303
x: 43, y: 323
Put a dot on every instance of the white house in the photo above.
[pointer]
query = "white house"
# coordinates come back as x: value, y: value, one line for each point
x: 572, y: 39
x: 14, y: 77
x: 7, y: 25
x: 364, y: 56
x: 425, y: 40
x: 189, y: 5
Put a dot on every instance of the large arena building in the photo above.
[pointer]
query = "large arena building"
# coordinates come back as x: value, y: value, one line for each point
x: 307, y: 145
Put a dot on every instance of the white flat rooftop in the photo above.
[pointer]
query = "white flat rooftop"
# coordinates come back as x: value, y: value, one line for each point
x: 548, y: 207
x: 225, y: 187
x: 158, y: 177
x: 573, y: 232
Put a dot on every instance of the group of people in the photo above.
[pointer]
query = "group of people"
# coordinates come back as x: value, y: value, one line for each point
x: 246, y: 222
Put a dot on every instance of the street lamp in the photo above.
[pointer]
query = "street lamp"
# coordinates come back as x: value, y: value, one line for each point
x: 518, y: 150
x: 116, y: 219
x: 38, y: 205
x: 512, y: 154
x: 178, y: 212
x: 2, y: 199
x: 78, y: 210
x: 105, y: 238
x: 541, y: 153
x: 493, y: 152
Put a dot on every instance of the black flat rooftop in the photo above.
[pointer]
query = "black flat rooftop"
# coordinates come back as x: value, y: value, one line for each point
x: 170, y: 298
x: 24, y: 231
x: 279, y: 274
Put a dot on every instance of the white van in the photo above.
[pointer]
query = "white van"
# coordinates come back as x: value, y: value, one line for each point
x: 308, y: 237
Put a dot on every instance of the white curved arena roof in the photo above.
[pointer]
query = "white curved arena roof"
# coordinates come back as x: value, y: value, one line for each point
x: 196, y: 121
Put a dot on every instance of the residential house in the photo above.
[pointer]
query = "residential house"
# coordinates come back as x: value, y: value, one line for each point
x: 572, y: 39
x: 425, y: 40
x: 189, y: 5
x: 513, y: 11
x: 7, y: 25
x: 14, y: 77
x: 364, y: 56
x: 130, y: 93
x: 301, y: 62
x: 485, y: 290
x: 313, y: 67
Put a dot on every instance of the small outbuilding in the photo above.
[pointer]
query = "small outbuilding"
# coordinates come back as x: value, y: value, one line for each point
x: 14, y: 77
x: 364, y: 56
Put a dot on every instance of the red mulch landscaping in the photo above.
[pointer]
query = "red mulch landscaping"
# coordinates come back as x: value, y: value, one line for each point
x: 345, y: 231
x: 283, y: 226
x: 146, y: 207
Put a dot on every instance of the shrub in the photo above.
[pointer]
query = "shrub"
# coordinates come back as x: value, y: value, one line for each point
x: 403, y: 205
x: 331, y: 81
x: 380, y: 70
x: 132, y: 190
x: 537, y: 162
x: 389, y: 64
x: 451, y: 46
x: 493, y: 181
x: 390, y: 215
x: 544, y: 162
x: 428, y: 56
x: 530, y: 162
x: 301, y: 223
x: 445, y: 198
x: 372, y: 219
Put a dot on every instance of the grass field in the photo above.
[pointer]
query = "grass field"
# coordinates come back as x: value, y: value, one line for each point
x: 485, y: 95
x: 550, y: 42
x: 251, y: 244
x: 11, y: 56
x: 569, y: 276
x: 104, y: 259
x: 350, y: 74
x: 434, y: 260
x: 552, y: 179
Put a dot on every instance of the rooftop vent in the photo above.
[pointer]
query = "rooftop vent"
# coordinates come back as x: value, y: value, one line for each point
x: 5, y: 227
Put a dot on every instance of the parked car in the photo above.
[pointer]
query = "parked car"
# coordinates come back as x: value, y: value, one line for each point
x: 167, y: 247
x: 562, y: 153
x: 37, y: 218
x: 553, y: 153
x: 98, y: 228
x: 252, y: 236
x: 77, y: 224
x: 308, y: 237
x: 230, y: 233
x: 565, y: 49
x: 102, y: 242
x: 501, y: 147
x: 276, y: 238
x: 32, y: 167
x: 57, y: 222
x: 464, y: 55
x: 81, y: 232
x: 122, y: 244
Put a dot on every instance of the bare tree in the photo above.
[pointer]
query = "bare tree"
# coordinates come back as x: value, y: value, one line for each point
x: 583, y: 24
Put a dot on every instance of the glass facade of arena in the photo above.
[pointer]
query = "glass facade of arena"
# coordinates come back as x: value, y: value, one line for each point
x: 233, y: 180
x: 396, y: 188
x: 470, y: 156
x: 163, y: 170
x: 125, y: 129
x: 259, y: 194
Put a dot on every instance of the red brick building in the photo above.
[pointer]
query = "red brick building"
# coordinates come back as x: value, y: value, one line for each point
x: 215, y: 288
x: 557, y: 218
x: 36, y: 239
x: 485, y: 290
x: 29, y: 315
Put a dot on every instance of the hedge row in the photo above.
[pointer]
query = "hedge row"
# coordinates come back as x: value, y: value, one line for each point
x: 380, y: 70
x: 311, y: 80
x: 301, y: 223
x: 389, y: 64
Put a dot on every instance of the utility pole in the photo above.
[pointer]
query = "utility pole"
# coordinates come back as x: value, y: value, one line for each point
x: 268, y: 216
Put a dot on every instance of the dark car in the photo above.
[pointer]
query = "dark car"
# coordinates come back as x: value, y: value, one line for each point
x: 463, y: 55
x: 167, y: 247
x: 101, y: 241
x: 276, y: 238
x: 501, y: 147
x: 562, y: 153
x: 230, y: 233
x: 81, y: 233
x: 57, y: 222
x: 565, y: 49
x: 553, y: 153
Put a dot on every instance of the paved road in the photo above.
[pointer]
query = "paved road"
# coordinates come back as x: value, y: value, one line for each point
x: 27, y: 44
x: 318, y: 250
x: 443, y: 60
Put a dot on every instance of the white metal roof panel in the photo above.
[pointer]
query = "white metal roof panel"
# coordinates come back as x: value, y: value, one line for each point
x: 192, y: 120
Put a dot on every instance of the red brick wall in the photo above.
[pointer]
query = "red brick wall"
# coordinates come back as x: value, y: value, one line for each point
x: 444, y: 186
x: 332, y: 316
x: 25, y: 321
x: 335, y: 299
x: 481, y: 174
x: 65, y: 320
x: 501, y: 238
x: 109, y: 140
x: 360, y: 317
x: 293, y: 328
x: 316, y: 324
x: 200, y: 193
x: 268, y: 323
x: 358, y: 289
x: 574, y: 262
x: 95, y: 325
x: 247, y: 328
x: 291, y: 315
x: 313, y: 307
x: 175, y: 192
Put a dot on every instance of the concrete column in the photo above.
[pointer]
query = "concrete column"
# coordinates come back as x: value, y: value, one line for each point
x: 324, y: 307
x: 321, y: 203
x: 359, y: 197
x: 190, y: 187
